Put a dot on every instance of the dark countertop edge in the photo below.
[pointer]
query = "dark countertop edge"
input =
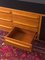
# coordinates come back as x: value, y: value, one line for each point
x: 26, y: 6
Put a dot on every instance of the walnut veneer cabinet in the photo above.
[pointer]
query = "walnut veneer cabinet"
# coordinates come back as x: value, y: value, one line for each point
x: 23, y: 27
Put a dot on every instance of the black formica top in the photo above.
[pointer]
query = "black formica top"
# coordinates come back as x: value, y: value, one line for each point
x: 23, y: 5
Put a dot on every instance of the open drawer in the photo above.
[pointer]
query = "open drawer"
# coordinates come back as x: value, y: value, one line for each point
x: 20, y: 38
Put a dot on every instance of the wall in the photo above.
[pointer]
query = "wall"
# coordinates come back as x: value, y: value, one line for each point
x: 36, y: 1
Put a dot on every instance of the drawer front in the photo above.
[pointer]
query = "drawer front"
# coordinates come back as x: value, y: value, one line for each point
x: 5, y: 15
x: 6, y: 23
x: 25, y: 13
x: 26, y: 20
x: 18, y: 44
x: 31, y: 28
x: 4, y: 9
x: 2, y: 27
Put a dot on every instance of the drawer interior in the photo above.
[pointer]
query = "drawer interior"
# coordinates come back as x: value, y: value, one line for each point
x: 20, y: 38
x: 22, y: 35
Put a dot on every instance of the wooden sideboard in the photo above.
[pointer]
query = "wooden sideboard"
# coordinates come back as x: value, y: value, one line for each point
x: 13, y: 20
